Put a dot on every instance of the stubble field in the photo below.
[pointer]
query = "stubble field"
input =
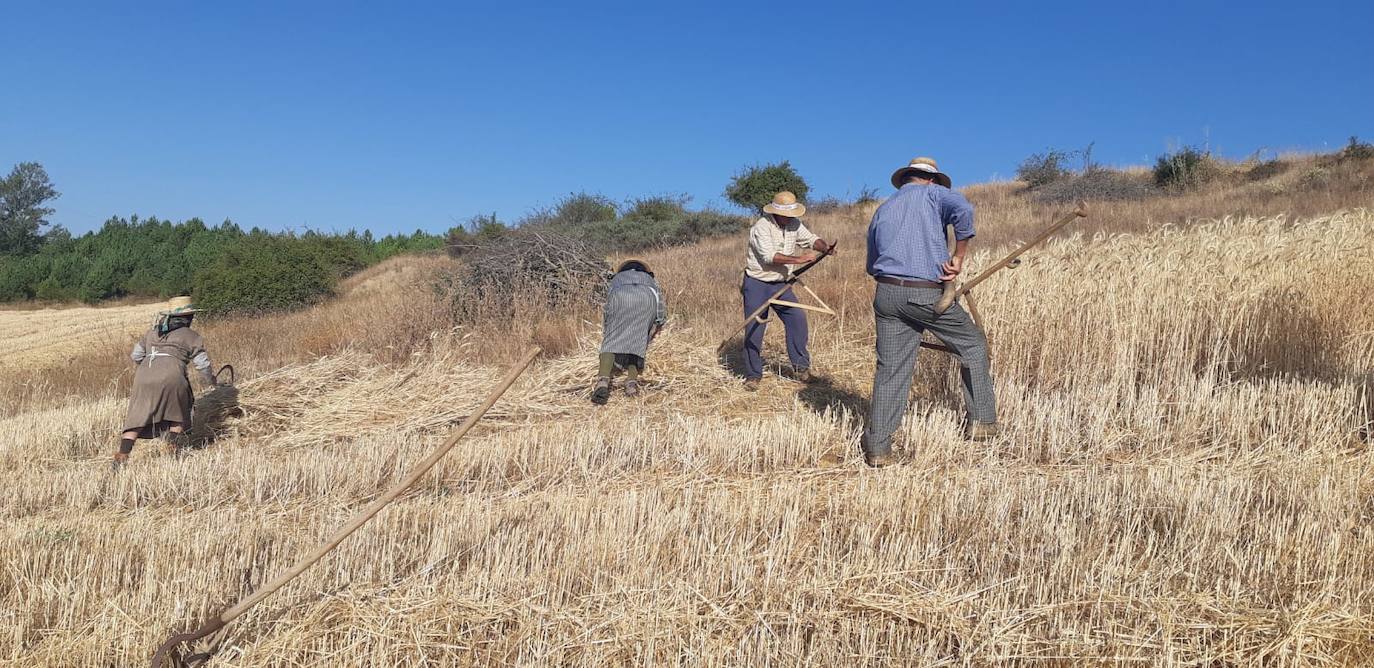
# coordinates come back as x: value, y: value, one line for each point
x: 1184, y: 478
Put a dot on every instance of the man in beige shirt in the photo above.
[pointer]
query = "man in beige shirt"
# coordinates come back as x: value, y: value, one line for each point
x: 777, y: 241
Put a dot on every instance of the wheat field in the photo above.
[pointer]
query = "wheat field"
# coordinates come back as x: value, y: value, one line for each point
x: 1183, y: 478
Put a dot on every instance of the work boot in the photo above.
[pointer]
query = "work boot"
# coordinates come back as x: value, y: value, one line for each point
x: 602, y: 393
x: 631, y: 388
x: 880, y: 461
x: 751, y: 384
x: 120, y: 459
x: 804, y: 376
x: 980, y: 432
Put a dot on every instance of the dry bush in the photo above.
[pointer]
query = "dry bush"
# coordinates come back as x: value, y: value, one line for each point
x: 1184, y: 478
x: 1097, y: 185
x: 536, y: 264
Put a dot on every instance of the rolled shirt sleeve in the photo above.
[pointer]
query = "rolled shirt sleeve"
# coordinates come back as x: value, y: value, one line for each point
x: 957, y: 212
x: 661, y: 315
x: 201, y: 361
x: 761, y: 245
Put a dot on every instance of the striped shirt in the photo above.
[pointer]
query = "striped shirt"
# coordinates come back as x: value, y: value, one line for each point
x: 906, y: 238
x: 767, y: 239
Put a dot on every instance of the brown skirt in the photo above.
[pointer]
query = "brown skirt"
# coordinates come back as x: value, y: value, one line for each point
x: 158, y: 400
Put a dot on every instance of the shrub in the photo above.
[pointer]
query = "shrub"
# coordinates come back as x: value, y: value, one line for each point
x: 627, y: 234
x: 698, y: 225
x: 264, y: 273
x: 1316, y: 178
x: 657, y: 209
x: 1266, y: 170
x: 655, y: 222
x: 582, y: 208
x: 1097, y: 184
x: 755, y: 186
x: 540, y: 262
x: 867, y: 196
x: 827, y: 204
x: 1357, y: 150
x: 1186, y: 168
x: 1042, y: 169
x: 575, y: 209
x: 480, y: 229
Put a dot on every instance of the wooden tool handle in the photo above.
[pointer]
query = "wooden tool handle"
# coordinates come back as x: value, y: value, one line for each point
x: 214, y: 624
x: 947, y: 300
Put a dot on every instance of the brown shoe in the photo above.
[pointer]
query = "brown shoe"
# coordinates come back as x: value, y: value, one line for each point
x: 803, y: 376
x: 979, y: 432
x: 751, y: 384
x: 880, y: 461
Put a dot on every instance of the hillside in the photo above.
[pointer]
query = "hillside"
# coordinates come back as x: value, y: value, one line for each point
x: 1182, y: 479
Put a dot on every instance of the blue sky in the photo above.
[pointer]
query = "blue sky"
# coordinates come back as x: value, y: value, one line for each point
x: 357, y: 115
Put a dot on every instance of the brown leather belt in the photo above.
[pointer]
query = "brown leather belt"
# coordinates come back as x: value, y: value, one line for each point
x: 908, y: 284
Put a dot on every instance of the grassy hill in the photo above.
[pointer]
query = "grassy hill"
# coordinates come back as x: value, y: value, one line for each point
x: 1183, y: 476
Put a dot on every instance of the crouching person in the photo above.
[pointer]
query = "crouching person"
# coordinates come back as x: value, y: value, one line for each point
x: 160, y: 403
x: 635, y: 312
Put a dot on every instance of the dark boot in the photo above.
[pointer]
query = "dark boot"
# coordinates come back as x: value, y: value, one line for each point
x: 631, y: 388
x: 126, y: 446
x: 602, y: 393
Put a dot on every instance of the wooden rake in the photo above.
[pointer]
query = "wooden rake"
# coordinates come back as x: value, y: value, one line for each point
x: 167, y: 655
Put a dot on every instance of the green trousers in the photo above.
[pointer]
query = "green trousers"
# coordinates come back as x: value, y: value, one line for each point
x: 633, y: 365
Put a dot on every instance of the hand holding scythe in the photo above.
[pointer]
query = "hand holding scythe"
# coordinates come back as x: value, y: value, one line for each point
x: 953, y: 292
x: 786, y: 285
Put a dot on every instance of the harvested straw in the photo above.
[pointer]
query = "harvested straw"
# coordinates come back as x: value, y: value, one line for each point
x: 1181, y: 480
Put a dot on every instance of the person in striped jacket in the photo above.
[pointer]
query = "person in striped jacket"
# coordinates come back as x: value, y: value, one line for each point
x: 635, y: 312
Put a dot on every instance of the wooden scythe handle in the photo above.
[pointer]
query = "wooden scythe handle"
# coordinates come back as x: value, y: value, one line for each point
x: 948, y: 298
x: 166, y: 651
x: 787, y: 284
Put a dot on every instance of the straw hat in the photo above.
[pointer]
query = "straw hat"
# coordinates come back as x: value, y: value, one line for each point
x: 785, y: 204
x: 631, y: 264
x: 926, y: 168
x: 179, y: 306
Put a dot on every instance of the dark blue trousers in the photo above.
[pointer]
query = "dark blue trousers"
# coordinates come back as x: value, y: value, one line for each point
x: 755, y: 294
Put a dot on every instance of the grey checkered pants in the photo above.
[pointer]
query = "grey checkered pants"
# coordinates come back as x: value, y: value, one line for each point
x: 901, y: 315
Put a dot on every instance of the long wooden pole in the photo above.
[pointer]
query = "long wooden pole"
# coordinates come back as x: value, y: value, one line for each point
x: 164, y: 653
x: 948, y: 299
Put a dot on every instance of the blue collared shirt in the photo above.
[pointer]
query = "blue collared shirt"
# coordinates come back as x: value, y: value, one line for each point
x: 907, y: 236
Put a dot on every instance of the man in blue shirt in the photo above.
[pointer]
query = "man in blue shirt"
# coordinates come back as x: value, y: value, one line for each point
x: 910, y: 260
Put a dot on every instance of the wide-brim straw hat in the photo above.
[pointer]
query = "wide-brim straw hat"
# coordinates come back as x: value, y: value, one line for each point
x: 785, y: 204
x: 924, y: 167
x: 630, y: 264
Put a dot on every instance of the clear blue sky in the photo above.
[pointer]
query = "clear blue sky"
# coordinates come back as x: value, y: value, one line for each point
x: 361, y: 115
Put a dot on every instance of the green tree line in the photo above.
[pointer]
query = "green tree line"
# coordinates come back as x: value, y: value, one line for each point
x: 223, y: 266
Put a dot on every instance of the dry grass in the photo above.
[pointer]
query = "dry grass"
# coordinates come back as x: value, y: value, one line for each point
x: 1182, y: 480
